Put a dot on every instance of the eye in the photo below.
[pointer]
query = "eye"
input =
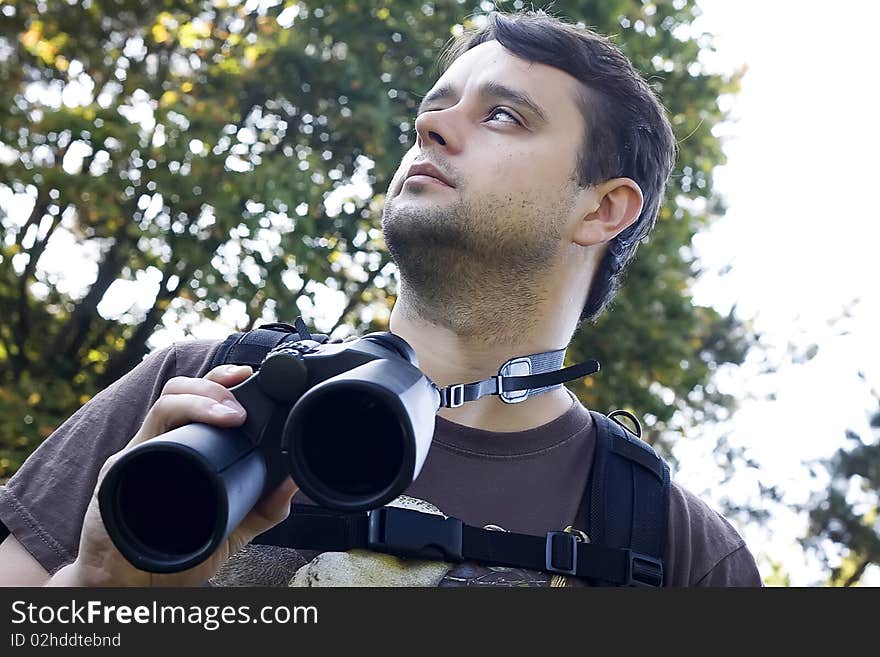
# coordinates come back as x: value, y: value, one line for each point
x: 500, y: 110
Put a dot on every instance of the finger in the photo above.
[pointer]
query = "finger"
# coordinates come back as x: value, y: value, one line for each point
x: 173, y: 411
x: 185, y: 385
x: 268, y: 512
x: 229, y: 375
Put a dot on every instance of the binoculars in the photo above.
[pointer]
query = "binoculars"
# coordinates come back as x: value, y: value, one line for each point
x: 351, y: 422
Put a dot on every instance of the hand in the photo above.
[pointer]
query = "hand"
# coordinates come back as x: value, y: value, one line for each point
x: 183, y: 400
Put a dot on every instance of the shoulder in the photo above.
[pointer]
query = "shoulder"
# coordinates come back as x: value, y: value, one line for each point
x: 193, y: 357
x: 144, y: 382
x: 704, y: 548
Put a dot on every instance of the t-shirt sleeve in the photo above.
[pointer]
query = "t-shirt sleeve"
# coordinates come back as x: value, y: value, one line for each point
x: 703, y: 548
x: 735, y: 569
x: 44, y: 503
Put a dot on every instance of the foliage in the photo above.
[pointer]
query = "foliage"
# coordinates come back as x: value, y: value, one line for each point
x: 214, y: 137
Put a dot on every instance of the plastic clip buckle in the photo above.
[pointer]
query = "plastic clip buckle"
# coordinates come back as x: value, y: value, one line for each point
x: 642, y: 570
x: 414, y: 534
x: 549, y: 563
x: 453, y: 396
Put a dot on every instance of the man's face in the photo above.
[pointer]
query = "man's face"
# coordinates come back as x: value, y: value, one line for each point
x: 502, y: 222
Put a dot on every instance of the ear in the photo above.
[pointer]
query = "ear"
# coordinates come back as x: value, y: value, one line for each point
x: 613, y: 206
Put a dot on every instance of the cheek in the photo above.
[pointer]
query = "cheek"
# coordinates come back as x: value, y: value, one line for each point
x: 405, y: 163
x: 528, y: 172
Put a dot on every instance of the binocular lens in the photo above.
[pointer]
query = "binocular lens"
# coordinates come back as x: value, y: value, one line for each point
x: 168, y: 504
x: 352, y: 442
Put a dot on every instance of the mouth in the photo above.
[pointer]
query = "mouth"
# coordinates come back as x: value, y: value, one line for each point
x: 426, y: 172
x: 425, y: 179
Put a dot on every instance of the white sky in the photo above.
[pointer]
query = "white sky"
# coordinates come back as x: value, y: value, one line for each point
x: 800, y: 236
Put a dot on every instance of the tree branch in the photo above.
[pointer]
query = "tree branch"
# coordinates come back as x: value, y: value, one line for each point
x: 355, y: 298
x: 19, y: 361
x: 859, y: 571
x: 135, y: 347
x: 72, y: 336
x: 40, y: 207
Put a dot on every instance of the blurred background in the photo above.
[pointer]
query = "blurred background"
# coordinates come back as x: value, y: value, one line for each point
x: 173, y: 169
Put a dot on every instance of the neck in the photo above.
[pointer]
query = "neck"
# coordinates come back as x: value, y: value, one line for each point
x: 447, y: 356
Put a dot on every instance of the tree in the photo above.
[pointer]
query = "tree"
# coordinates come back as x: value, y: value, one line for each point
x: 205, y: 153
x: 844, y: 520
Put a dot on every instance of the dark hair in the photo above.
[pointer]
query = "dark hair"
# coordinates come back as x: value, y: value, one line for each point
x: 627, y: 132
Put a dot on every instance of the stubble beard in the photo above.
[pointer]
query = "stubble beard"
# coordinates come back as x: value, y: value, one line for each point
x: 476, y: 268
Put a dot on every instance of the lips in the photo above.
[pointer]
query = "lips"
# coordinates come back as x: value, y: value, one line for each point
x: 426, y: 169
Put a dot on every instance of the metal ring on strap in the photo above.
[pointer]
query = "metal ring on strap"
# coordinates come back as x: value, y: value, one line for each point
x: 579, y: 535
x: 637, y: 432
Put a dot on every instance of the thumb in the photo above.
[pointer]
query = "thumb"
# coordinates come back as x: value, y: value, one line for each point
x: 271, y: 510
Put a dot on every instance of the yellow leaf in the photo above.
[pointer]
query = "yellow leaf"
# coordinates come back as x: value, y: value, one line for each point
x: 46, y: 51
x: 383, y: 14
x: 168, y: 98
x: 95, y: 356
x: 32, y: 36
x: 229, y: 65
x: 190, y: 33
x: 61, y: 63
x: 186, y: 87
x: 84, y: 398
x: 251, y: 53
x: 160, y: 34
x: 33, y: 399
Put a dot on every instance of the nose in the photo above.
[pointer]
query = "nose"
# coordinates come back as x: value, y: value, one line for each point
x: 430, y: 127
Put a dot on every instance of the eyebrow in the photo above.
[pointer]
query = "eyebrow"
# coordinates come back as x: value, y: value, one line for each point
x: 490, y: 90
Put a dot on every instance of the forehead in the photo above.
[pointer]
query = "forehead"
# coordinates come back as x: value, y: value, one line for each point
x: 554, y: 91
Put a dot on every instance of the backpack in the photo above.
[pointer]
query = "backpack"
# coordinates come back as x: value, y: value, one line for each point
x: 629, y: 505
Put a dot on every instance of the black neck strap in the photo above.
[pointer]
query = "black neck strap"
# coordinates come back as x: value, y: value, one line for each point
x: 518, y: 379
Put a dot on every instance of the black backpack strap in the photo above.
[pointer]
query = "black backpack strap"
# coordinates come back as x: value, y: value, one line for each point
x: 629, y: 504
x: 251, y: 347
x: 410, y: 533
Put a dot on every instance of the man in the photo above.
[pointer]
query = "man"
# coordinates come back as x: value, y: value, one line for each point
x: 540, y: 163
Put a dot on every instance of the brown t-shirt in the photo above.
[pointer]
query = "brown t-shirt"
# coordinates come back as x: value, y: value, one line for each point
x: 531, y: 482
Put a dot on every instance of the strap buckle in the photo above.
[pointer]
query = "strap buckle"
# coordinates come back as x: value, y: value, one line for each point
x: 642, y: 570
x: 452, y: 396
x: 561, y: 553
x: 515, y: 367
x: 411, y: 533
